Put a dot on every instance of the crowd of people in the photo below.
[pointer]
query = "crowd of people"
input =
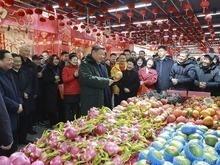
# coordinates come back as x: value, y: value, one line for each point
x: 58, y: 89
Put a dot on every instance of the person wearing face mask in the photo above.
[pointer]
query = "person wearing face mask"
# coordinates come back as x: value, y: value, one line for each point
x: 147, y: 75
x: 207, y: 77
x: 51, y: 79
x: 71, y: 88
x: 182, y: 73
x: 130, y: 81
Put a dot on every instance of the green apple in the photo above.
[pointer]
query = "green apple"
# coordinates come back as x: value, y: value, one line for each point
x: 182, y: 160
x: 181, y: 134
x: 171, y: 150
x: 178, y: 138
x: 210, y: 158
x: 195, y: 136
x: 161, y: 140
x: 203, y: 127
x: 211, y: 140
x: 141, y: 162
x: 176, y: 144
x: 196, y: 150
x: 158, y: 154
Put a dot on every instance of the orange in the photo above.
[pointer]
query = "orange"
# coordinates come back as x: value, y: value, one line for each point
x: 208, y: 121
x: 184, y: 112
x: 195, y: 114
x: 205, y: 113
x: 204, y: 107
x: 198, y: 109
x: 211, y: 110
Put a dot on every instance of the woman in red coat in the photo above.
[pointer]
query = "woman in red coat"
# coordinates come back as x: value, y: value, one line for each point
x: 71, y: 88
x: 147, y: 75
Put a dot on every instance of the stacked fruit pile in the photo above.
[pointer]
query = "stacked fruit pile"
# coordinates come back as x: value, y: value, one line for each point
x: 183, y: 144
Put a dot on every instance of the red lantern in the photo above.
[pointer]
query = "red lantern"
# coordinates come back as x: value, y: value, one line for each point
x: 98, y: 34
x: 131, y: 5
x: 190, y: 14
x: 49, y: 8
x: 88, y: 31
x: 85, y: 1
x: 38, y: 11
x: 176, y: 14
x: 119, y: 16
x: 75, y: 28
x: 155, y: 11
x: 51, y: 18
x: 91, y: 11
x: 29, y: 11
x: 71, y: 4
x: 99, y: 19
x: 61, y: 24
x: 171, y: 9
x: 181, y: 20
x: 104, y: 9
x: 94, y: 30
x: 130, y: 14
x: 2, y: 4
x: 208, y: 18
x: 69, y: 23
x: 83, y: 26
x: 107, y: 17
x: 60, y: 17
x: 69, y: 15
x: 9, y: 2
x: 78, y: 21
x: 21, y: 13
x: 42, y: 19
x: 143, y: 12
x: 186, y: 7
x: 204, y: 4
x: 62, y: 4
x: 80, y: 10
x: 164, y: 1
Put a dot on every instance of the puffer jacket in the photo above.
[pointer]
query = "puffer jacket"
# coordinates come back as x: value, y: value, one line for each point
x: 184, y: 73
x: 211, y: 76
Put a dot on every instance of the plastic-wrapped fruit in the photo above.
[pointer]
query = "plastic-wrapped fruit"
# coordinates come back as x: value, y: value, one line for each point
x: 199, y: 163
x: 181, y: 160
x: 157, y: 145
x: 155, y: 157
x: 170, y: 152
x: 211, y: 140
x: 217, y: 148
x: 195, y: 136
x: 176, y: 144
x: 188, y: 129
x: 143, y: 154
x: 141, y: 162
x: 179, y: 138
x: 210, y: 159
x: 194, y: 151
x: 161, y: 140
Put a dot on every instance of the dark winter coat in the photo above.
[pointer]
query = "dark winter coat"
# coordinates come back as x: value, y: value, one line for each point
x: 163, y: 68
x: 131, y: 81
x: 6, y: 137
x: 11, y: 96
x: 23, y: 86
x: 51, y: 90
x: 92, y: 84
x: 185, y: 74
x: 211, y: 76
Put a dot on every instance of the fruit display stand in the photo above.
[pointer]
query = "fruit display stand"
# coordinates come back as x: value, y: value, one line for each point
x: 114, y: 136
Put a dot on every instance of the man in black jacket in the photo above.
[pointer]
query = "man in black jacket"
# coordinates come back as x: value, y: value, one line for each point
x: 207, y: 77
x: 163, y: 66
x: 183, y: 72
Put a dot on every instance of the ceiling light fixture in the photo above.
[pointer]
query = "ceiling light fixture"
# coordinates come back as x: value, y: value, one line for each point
x: 206, y: 26
x: 218, y: 32
x: 203, y: 15
x: 123, y: 8
x: 142, y: 22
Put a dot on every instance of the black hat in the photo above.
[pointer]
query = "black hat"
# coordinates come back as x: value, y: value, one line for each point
x: 210, y: 55
x: 35, y: 57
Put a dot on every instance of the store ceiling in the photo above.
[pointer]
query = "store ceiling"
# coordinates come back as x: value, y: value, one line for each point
x: 178, y: 22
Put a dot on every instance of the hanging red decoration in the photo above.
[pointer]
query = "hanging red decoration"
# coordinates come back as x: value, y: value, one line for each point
x: 61, y: 4
x: 2, y: 4
x: 100, y: 1
x: 51, y: 18
x: 181, y: 20
x: 29, y: 11
x: 190, y: 14
x: 208, y: 18
x: 130, y: 14
x: 83, y: 26
x: 98, y: 34
x: 146, y: 1
x: 60, y: 17
x: 80, y: 10
x: 49, y: 8
x: 78, y: 21
x: 99, y: 19
x: 149, y: 24
x: 119, y: 16
x: 91, y: 11
x: 21, y: 13
x: 207, y: 11
x: 204, y: 4
x: 61, y: 24
x: 107, y: 17
x: 38, y: 11
x: 176, y: 14
x: 143, y: 12
x: 104, y: 9
x: 155, y: 11
x: 164, y: 1
x: 116, y: 5
x: 88, y: 31
x: 42, y: 19
x: 171, y: 9
x: 131, y: 5
x: 75, y: 28
x: 186, y: 7
x: 181, y: 2
x: 85, y: 1
x: 69, y: 15
x: 9, y: 2
x: 71, y: 4
x: 94, y: 30
x: 69, y: 23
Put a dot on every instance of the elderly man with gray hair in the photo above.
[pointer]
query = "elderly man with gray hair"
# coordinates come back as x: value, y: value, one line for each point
x: 182, y: 73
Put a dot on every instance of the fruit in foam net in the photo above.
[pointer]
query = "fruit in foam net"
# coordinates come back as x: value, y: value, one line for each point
x: 161, y: 140
x: 155, y: 157
x: 176, y: 144
x: 211, y: 140
x: 170, y: 152
x: 199, y: 163
x: 157, y: 145
x: 181, y: 160
x: 194, y: 151
x: 195, y: 136
x: 209, y: 158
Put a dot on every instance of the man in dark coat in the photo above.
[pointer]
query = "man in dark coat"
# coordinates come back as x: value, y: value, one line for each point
x: 163, y: 66
x: 10, y: 94
x: 6, y: 138
x: 29, y: 67
x: 207, y: 77
x: 92, y: 80
x: 183, y: 72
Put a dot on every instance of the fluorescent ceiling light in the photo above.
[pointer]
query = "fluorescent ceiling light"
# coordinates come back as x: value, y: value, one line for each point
x: 206, y: 26
x: 142, y: 22
x: 203, y: 15
x: 216, y: 39
x: 118, y: 25
x: 218, y: 32
x: 56, y: 6
x: 122, y: 8
x: 82, y: 18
